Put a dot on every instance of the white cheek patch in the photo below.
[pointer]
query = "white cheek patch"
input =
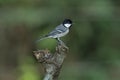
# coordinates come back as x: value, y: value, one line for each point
x: 67, y: 25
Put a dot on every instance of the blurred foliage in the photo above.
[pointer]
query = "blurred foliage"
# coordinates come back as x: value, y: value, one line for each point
x: 94, y: 38
x: 28, y: 71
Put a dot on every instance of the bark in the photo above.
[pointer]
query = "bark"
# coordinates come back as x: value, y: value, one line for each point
x: 52, y: 63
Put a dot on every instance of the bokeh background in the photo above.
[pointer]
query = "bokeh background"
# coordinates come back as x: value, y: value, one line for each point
x: 93, y: 41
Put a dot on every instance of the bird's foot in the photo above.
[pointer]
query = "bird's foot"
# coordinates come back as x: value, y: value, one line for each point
x: 63, y: 44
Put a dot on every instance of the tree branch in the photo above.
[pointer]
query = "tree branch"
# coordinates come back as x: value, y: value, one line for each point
x: 52, y: 63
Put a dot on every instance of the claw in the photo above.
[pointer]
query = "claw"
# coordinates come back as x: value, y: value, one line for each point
x: 60, y: 42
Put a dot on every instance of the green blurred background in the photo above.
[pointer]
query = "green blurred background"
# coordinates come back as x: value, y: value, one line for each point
x: 93, y: 41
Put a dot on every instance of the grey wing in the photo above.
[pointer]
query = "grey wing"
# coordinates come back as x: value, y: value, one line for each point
x: 58, y: 30
x: 55, y: 32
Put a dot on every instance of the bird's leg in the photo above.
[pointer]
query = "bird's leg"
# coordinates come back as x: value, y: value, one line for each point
x: 60, y: 42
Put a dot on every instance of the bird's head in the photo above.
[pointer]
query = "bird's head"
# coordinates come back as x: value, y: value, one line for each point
x: 67, y: 23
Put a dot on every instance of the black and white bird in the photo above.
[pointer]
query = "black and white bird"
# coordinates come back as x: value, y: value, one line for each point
x: 60, y: 31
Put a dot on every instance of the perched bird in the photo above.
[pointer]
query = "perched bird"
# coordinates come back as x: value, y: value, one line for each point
x: 60, y: 31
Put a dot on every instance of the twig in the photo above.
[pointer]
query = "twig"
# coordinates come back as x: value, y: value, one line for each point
x: 52, y: 63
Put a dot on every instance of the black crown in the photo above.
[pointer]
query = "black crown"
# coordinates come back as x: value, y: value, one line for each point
x: 67, y: 21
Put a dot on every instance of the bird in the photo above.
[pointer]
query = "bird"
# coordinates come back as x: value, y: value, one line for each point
x: 60, y: 31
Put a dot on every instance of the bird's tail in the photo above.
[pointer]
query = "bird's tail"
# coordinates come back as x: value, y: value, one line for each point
x: 45, y: 37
